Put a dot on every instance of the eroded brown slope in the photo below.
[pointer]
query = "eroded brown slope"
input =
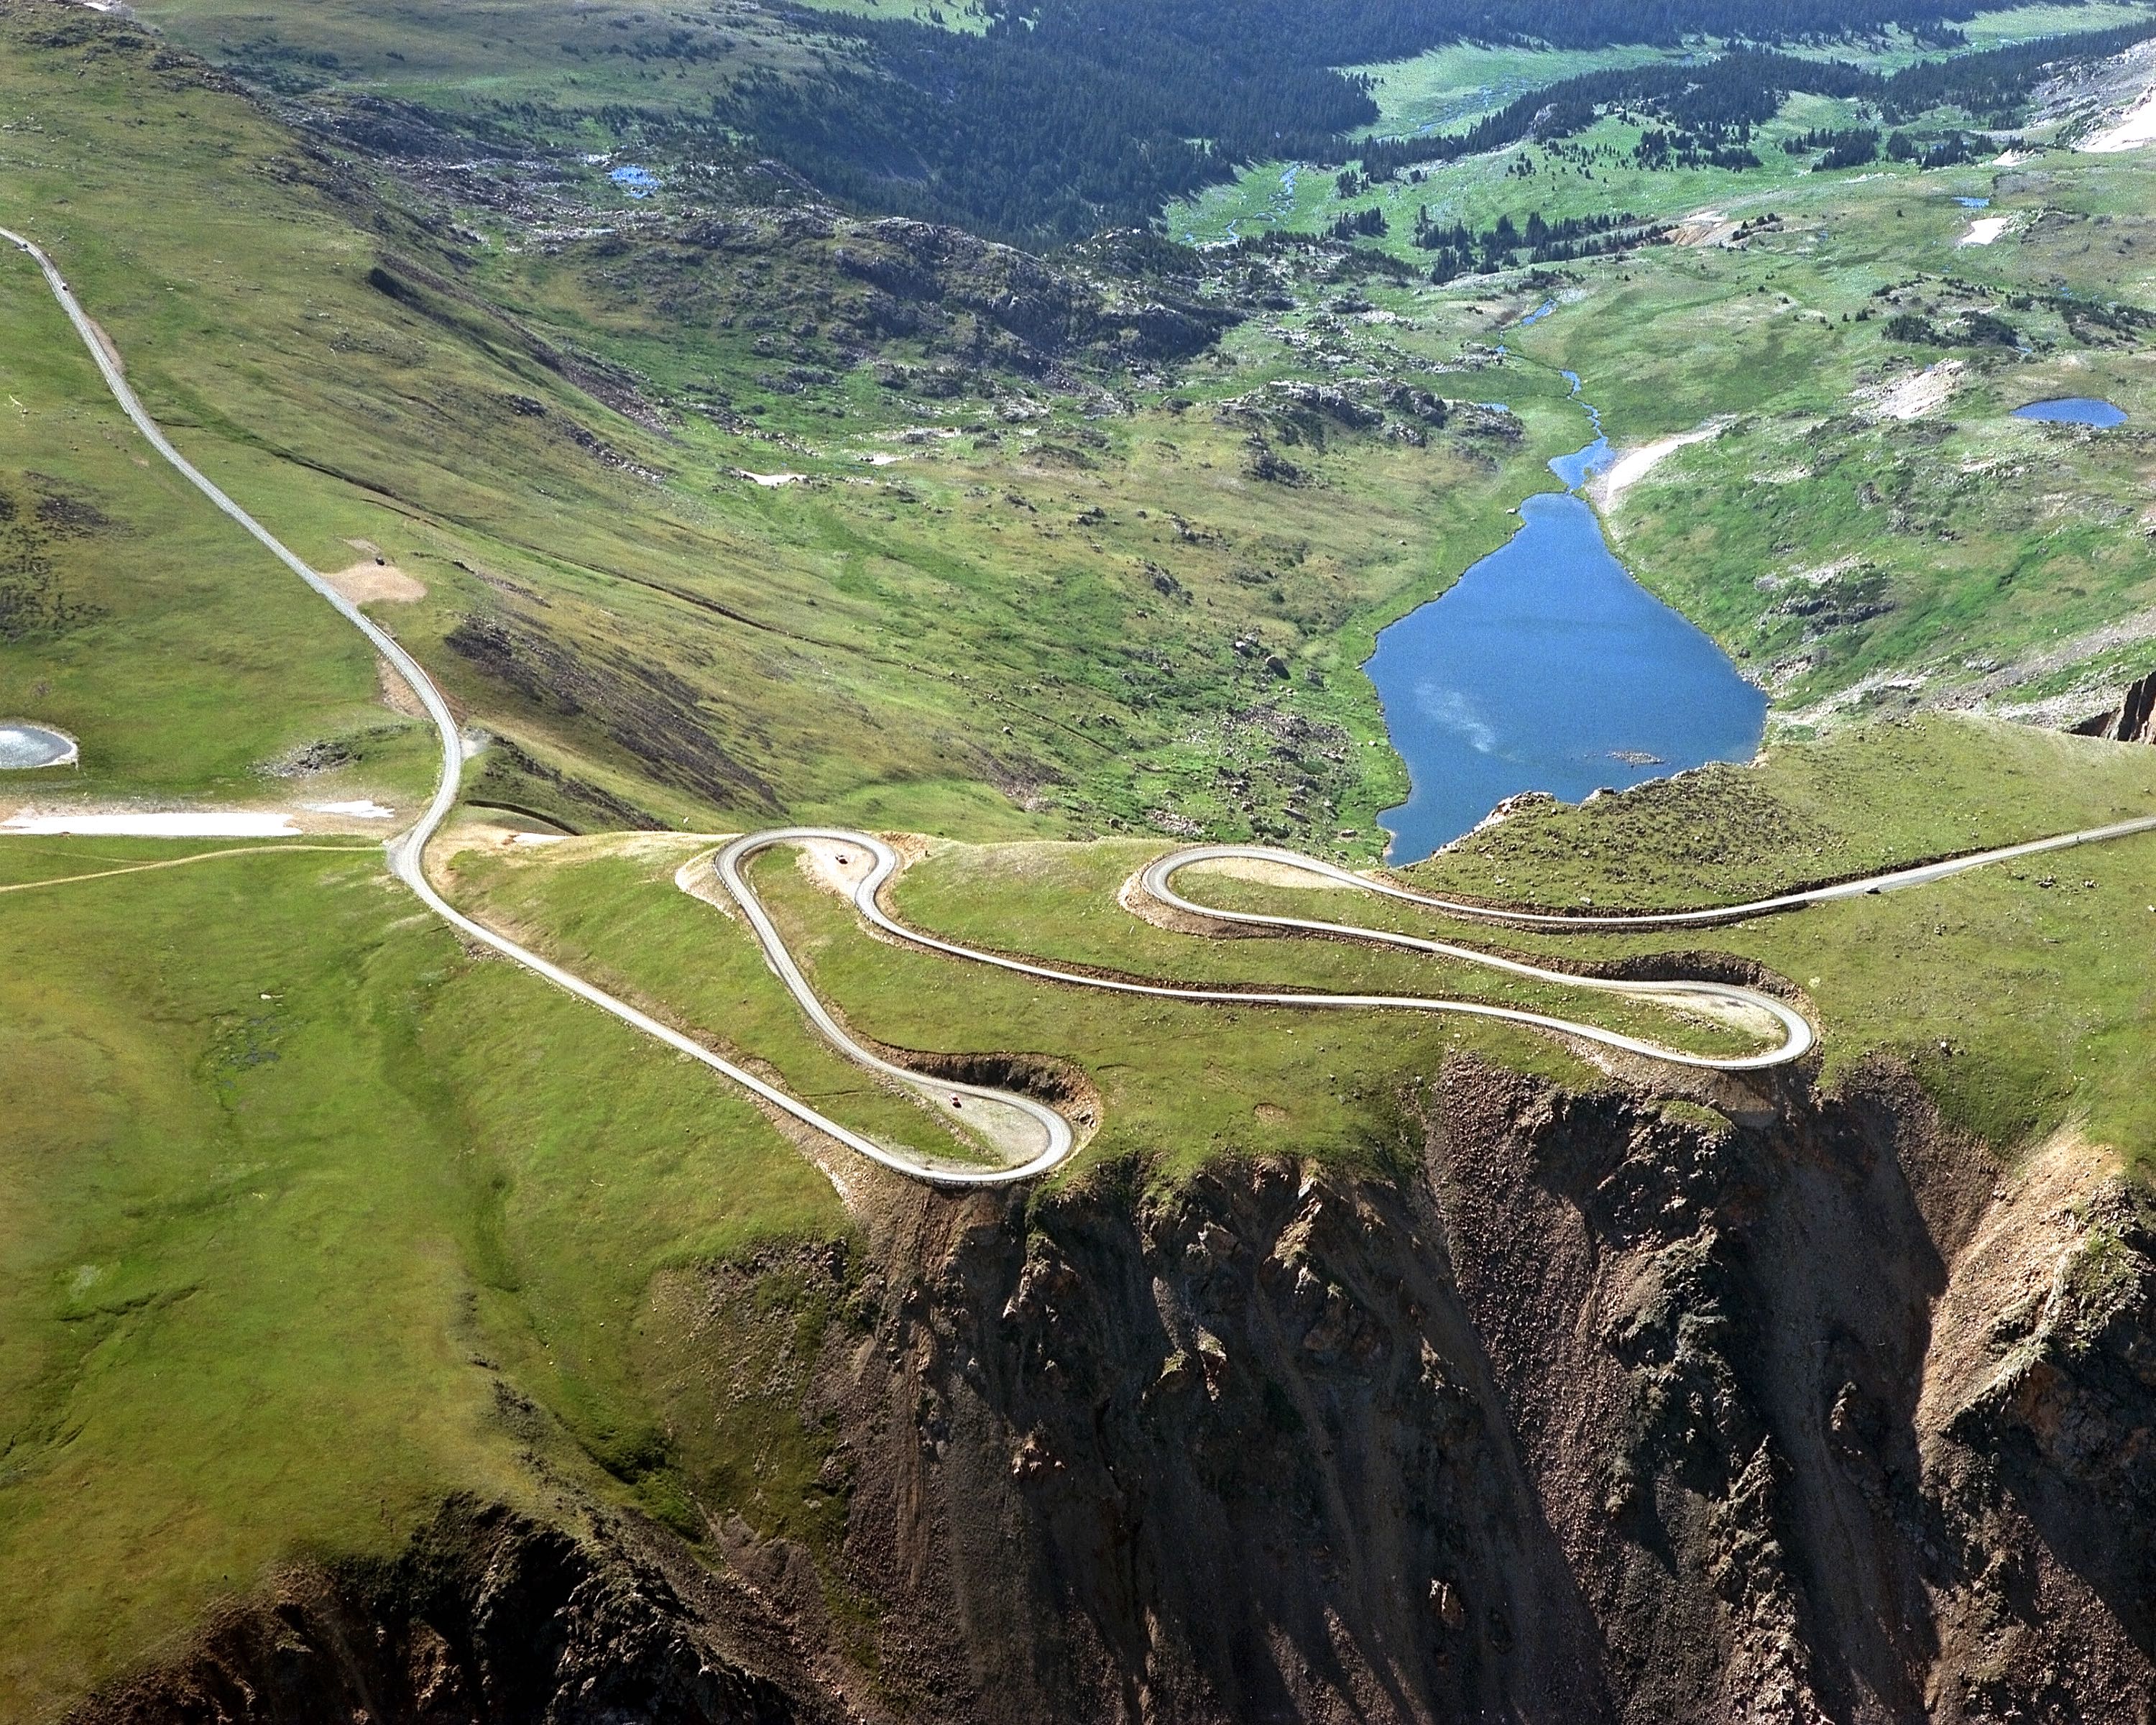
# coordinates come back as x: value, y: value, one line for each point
x: 1587, y: 1413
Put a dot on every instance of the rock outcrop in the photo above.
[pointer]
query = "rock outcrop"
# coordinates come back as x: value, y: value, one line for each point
x: 488, y: 1617
x: 2133, y: 720
x: 1569, y: 1408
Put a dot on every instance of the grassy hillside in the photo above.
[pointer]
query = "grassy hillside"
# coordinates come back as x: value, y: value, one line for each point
x: 1807, y: 813
x: 961, y: 637
x: 406, y: 1222
x: 133, y: 617
x: 314, y: 1218
x: 547, y: 408
x: 587, y: 76
x: 1859, y: 542
x: 2015, y: 991
x: 2018, y: 969
x: 1444, y: 90
x: 1849, y: 557
x: 1838, y: 547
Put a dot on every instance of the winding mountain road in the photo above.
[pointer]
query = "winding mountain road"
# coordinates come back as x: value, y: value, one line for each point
x: 1157, y: 877
x: 407, y: 851
x: 1719, y: 999
x: 1033, y: 1137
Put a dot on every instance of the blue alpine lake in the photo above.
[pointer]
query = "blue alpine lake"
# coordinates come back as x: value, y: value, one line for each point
x: 1546, y: 667
x: 2073, y: 410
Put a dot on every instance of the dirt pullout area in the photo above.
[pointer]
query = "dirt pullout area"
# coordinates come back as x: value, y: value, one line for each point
x: 1581, y: 1412
x: 105, y: 345
x: 396, y: 694
x: 1263, y: 873
x: 698, y: 879
x: 834, y: 866
x: 374, y: 580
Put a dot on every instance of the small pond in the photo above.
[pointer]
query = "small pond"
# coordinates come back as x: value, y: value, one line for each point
x: 1973, y: 202
x: 2073, y: 410
x: 24, y: 745
x: 1546, y: 667
x: 637, y: 181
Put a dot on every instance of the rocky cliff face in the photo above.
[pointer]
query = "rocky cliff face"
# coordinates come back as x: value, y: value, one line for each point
x: 487, y: 1616
x: 2133, y: 720
x: 1584, y: 1412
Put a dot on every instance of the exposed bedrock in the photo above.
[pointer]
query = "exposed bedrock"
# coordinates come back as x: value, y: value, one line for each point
x: 487, y: 1617
x: 1580, y: 1411
x: 2133, y: 720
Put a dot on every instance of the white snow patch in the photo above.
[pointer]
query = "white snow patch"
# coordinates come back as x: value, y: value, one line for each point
x: 770, y: 480
x: 175, y: 823
x: 363, y: 808
x: 1984, y: 230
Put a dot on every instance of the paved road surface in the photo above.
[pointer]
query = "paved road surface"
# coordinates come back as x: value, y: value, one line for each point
x: 1919, y: 875
x: 1796, y: 1033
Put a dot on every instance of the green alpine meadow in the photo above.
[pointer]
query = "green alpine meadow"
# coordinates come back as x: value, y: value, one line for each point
x: 1067, y: 862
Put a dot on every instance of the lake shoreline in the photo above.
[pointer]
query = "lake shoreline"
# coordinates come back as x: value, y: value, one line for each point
x: 1547, y: 667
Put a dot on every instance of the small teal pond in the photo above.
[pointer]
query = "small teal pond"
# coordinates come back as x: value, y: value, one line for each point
x: 1973, y: 202
x: 637, y: 181
x: 2073, y: 410
x: 24, y: 745
x: 1546, y: 667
